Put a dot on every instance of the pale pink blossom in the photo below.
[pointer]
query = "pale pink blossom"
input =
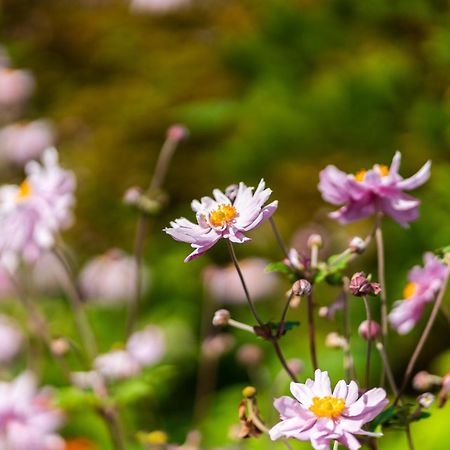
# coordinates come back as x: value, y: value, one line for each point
x: 320, y: 415
x: 28, y: 419
x: 224, y: 285
x: 22, y: 142
x: 110, y: 279
x: 49, y: 275
x: 16, y: 86
x: 11, y: 340
x: 219, y: 217
x: 158, y: 6
x: 117, y: 365
x: 31, y: 214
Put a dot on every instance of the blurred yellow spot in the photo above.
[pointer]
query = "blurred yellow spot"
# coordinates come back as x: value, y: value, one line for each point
x: 24, y: 190
x: 249, y: 392
x: 359, y: 176
x: 409, y: 290
x: 155, y: 437
x: 329, y: 406
x: 222, y: 215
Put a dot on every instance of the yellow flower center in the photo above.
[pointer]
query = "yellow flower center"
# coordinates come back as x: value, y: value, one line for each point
x: 380, y: 168
x: 24, y: 190
x: 222, y: 215
x: 329, y: 406
x: 409, y: 291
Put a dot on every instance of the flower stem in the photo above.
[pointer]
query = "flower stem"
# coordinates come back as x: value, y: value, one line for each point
x: 284, y: 313
x: 369, y: 340
x: 312, y: 332
x: 278, y: 237
x: 348, y: 358
x: 282, y: 359
x: 424, y: 337
x: 335, y: 445
x: 387, y: 367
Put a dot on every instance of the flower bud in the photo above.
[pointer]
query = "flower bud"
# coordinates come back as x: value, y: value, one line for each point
x: 301, y: 288
x: 357, y: 245
x: 315, y: 240
x: 250, y: 355
x: 426, y: 399
x: 60, y: 346
x: 249, y: 392
x: 335, y: 340
x: 323, y: 311
x: 424, y: 381
x: 221, y: 318
x: 360, y: 285
x: 295, y: 365
x: 374, y: 328
x: 177, y: 133
x: 132, y: 195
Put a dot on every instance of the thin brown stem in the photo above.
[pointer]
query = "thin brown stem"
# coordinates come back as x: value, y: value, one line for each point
x: 278, y: 237
x: 348, y: 358
x: 282, y: 359
x: 284, y: 313
x: 312, y: 332
x: 369, y: 340
x: 387, y: 367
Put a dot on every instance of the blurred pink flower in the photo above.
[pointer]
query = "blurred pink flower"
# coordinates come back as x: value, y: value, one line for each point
x: 28, y: 420
x: 379, y: 189
x: 110, y: 279
x: 157, y: 6
x: 221, y: 218
x: 22, y: 142
x: 319, y: 415
x: 224, y: 285
x: 366, y: 326
x: 11, y: 340
x: 16, y: 86
x: 424, y: 282
x: 32, y: 213
x: 49, y: 277
x: 117, y: 365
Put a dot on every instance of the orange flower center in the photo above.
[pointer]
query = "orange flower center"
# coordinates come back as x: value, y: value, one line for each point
x: 79, y: 444
x: 222, y: 215
x: 24, y: 190
x: 329, y: 406
x: 380, y: 168
x: 409, y: 290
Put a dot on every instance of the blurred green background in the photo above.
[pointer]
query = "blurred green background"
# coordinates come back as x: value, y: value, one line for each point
x: 267, y: 88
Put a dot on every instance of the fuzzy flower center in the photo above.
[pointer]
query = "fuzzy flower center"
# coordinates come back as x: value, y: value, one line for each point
x: 222, y: 215
x: 409, y: 290
x: 381, y: 169
x: 329, y: 406
x: 24, y: 190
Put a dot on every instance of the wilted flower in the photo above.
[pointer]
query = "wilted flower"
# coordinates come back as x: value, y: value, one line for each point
x: 32, y: 213
x: 22, y: 142
x: 11, y: 340
x: 220, y: 218
x: 224, y: 284
x: 301, y: 288
x: 379, y: 189
x: 157, y: 6
x: 110, y: 279
x: 360, y: 285
x: 364, y: 328
x: 28, y: 420
x: 16, y: 86
x: 424, y: 283
x: 319, y: 415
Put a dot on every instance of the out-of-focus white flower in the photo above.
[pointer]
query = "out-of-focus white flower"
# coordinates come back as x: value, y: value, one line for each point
x: 110, y: 279
x: 16, y: 86
x: 11, y: 340
x: 224, y: 285
x: 157, y: 6
x: 23, y: 142
x: 117, y: 365
x: 87, y: 380
x: 147, y: 347
x: 28, y: 419
x: 32, y: 213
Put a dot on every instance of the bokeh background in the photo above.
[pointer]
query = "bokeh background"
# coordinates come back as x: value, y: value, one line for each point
x: 268, y: 89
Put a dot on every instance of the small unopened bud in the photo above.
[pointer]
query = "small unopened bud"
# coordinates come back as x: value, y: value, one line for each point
x: 231, y: 191
x: 315, y: 240
x: 374, y: 328
x: 295, y: 365
x: 335, y: 340
x: 357, y: 245
x: 301, y: 288
x: 132, y: 195
x: 360, y: 285
x: 221, y: 318
x: 323, y: 311
x: 424, y: 381
x: 60, y: 346
x: 249, y: 392
x: 250, y: 355
x: 177, y: 133
x: 426, y: 399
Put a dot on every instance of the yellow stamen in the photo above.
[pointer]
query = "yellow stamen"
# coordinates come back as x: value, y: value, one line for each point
x: 380, y: 168
x: 409, y: 291
x: 24, y: 190
x: 359, y: 176
x: 222, y: 215
x: 329, y: 406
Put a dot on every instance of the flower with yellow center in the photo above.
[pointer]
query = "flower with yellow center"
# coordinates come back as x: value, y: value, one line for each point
x: 409, y: 290
x: 381, y: 169
x: 329, y: 406
x: 222, y: 215
x: 24, y: 191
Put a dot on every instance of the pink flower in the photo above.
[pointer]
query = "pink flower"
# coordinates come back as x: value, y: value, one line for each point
x: 16, y: 86
x: 319, y: 415
x: 219, y: 217
x: 32, y: 213
x: 28, y: 420
x: 117, y: 365
x: 224, y: 285
x: 110, y: 279
x: 424, y: 283
x: 22, y: 142
x: 11, y: 340
x: 379, y: 189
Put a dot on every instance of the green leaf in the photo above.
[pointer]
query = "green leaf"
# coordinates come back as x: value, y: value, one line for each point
x: 278, y: 267
x: 382, y: 418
